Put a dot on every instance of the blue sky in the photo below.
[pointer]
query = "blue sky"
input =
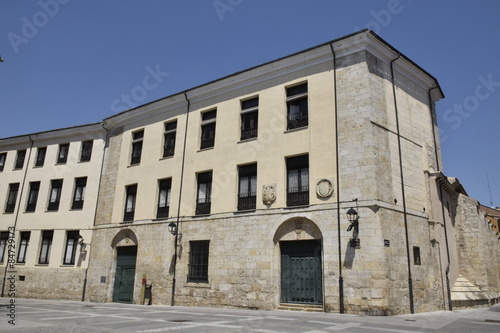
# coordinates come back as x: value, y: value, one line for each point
x: 69, y: 62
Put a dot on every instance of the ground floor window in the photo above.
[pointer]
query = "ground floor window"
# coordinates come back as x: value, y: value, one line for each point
x: 198, y: 261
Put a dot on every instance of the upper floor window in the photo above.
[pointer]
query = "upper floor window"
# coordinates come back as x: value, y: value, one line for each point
x: 32, y: 196
x: 137, y: 139
x: 297, y: 109
x: 163, y: 198
x: 297, y: 181
x: 47, y: 236
x: 4, y: 237
x: 86, y: 152
x: 131, y: 195
x: 40, y: 156
x: 204, y: 196
x: 249, y: 118
x: 55, y: 194
x: 208, y: 129
x: 23, y: 246
x: 79, y: 195
x: 198, y: 261
x: 247, y: 192
x: 169, y: 139
x: 71, y: 245
x: 12, y: 198
x: 3, y: 157
x: 21, y: 155
x: 62, y: 156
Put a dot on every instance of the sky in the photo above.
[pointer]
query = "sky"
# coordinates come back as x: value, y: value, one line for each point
x: 70, y: 62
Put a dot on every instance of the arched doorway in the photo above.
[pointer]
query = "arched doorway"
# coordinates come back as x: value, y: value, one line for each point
x: 299, y: 241
x: 125, y: 243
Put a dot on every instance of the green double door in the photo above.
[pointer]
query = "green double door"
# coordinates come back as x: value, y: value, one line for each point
x: 301, y: 277
x: 123, y: 290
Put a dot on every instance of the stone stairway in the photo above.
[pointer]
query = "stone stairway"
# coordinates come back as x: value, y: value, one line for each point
x: 301, y: 307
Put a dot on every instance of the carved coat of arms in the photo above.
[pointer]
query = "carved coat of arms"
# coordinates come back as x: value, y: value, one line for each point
x: 269, y: 194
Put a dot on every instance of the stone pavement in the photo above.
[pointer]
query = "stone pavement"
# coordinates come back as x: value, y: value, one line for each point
x: 43, y: 316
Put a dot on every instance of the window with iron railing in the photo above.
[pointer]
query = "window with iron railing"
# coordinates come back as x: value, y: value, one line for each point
x: 3, y: 157
x: 4, y: 237
x: 131, y: 195
x: 249, y: 118
x: 23, y: 246
x: 247, y: 190
x: 198, y: 261
x: 55, y: 194
x: 297, y: 181
x: 137, y: 139
x: 21, y: 155
x: 297, y: 106
x: 86, y: 152
x: 79, y: 195
x: 46, y: 246
x: 204, y: 196
x: 62, y: 156
x: 169, y: 139
x: 164, y: 186
x: 33, y: 196
x: 208, y: 129
x: 70, y: 249
x: 40, y: 156
x: 12, y: 198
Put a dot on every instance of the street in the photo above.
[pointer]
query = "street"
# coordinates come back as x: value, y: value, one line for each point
x: 41, y: 316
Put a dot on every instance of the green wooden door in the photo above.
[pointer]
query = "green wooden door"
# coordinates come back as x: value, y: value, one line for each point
x: 301, y: 280
x: 123, y: 291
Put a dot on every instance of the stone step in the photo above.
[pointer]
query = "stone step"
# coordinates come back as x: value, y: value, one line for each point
x: 301, y: 307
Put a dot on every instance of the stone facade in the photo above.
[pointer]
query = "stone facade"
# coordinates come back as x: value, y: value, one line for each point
x: 371, y: 143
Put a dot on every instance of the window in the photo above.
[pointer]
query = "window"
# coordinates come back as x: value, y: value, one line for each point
x: 131, y: 191
x: 163, y: 198
x: 137, y: 138
x: 249, y: 118
x: 21, y: 154
x: 32, y: 196
x: 204, y: 193
x: 198, y: 261
x: 71, y: 245
x: 296, y: 103
x: 208, y: 129
x: 4, y: 237
x: 297, y: 181
x: 3, y: 157
x: 169, y: 138
x: 86, y: 152
x: 416, y: 255
x: 23, y: 246
x: 12, y: 197
x: 79, y: 195
x: 62, y: 156
x: 55, y: 194
x: 46, y: 245
x: 247, y: 193
x: 40, y: 156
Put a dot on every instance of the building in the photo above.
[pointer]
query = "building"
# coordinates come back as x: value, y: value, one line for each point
x: 235, y: 193
x: 49, y: 183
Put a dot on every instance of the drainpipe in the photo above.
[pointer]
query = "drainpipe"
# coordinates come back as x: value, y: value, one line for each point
x: 438, y: 166
x: 341, y: 278
x: 17, y: 210
x: 410, y: 282
x: 96, y: 203
x: 172, y: 300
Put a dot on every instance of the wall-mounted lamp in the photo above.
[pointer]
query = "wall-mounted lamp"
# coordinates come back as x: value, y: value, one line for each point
x: 172, y: 228
x: 81, y: 241
x: 352, y: 217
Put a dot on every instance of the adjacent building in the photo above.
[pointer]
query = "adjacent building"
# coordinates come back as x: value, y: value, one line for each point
x: 235, y: 193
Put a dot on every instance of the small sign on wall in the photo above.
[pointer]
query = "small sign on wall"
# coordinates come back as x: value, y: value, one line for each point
x: 387, y: 243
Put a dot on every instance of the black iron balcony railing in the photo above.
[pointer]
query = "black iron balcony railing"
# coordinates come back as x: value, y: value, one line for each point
x: 296, y: 198
x: 203, y: 208
x: 162, y: 212
x: 297, y: 120
x: 247, y: 203
x: 248, y: 133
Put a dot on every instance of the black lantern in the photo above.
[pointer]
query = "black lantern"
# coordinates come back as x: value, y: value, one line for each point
x: 172, y: 228
x: 352, y: 216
